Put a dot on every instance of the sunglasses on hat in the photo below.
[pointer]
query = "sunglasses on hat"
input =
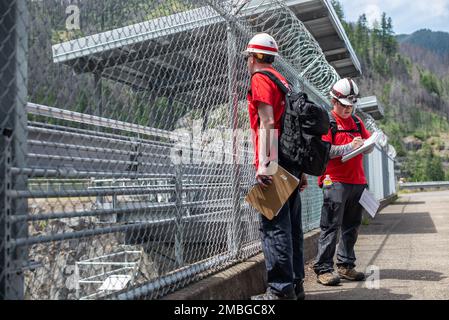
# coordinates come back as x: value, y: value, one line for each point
x: 352, y: 98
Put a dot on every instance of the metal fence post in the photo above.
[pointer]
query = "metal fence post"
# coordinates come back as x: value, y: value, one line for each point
x: 13, y: 143
x: 98, y: 94
x: 385, y: 174
x: 366, y: 161
x: 5, y: 206
x: 179, y: 211
x: 77, y: 281
x: 235, y: 232
x: 234, y: 225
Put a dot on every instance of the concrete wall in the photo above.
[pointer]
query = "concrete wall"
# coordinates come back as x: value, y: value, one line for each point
x: 241, y: 281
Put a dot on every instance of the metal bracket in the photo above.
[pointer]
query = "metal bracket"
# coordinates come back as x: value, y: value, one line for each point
x: 28, y: 266
x: 7, y: 132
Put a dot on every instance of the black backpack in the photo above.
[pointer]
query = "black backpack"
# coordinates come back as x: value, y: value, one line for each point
x: 303, y: 124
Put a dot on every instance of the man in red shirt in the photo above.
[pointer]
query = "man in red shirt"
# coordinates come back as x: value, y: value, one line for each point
x: 282, y: 237
x: 343, y: 184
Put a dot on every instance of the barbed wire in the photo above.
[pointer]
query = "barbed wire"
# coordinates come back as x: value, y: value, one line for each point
x: 296, y: 44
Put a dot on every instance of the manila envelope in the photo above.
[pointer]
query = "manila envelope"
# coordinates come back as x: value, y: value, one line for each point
x: 270, y: 201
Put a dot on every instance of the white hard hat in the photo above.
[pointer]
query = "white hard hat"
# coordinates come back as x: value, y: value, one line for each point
x: 345, y: 91
x: 262, y: 43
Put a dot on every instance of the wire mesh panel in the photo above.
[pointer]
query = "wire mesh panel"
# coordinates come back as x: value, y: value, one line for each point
x: 127, y: 178
x: 119, y: 110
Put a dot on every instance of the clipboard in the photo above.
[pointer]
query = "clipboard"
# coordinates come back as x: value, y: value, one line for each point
x: 270, y: 201
x: 366, y: 145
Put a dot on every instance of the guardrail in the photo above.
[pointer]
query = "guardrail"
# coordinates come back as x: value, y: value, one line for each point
x: 424, y: 185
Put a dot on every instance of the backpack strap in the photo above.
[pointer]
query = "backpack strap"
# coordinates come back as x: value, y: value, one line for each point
x: 279, y: 84
x: 357, y: 122
x: 334, y: 127
x: 275, y: 79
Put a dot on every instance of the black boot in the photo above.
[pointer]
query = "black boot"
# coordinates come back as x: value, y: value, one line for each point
x: 299, y: 291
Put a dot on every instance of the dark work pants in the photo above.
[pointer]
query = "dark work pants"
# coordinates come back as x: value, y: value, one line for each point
x: 341, y: 210
x: 282, y: 244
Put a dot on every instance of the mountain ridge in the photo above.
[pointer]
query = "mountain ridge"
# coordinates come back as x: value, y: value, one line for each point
x: 429, y: 49
x: 436, y: 42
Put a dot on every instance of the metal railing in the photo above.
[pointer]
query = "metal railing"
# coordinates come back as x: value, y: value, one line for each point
x: 423, y: 185
x: 107, y: 274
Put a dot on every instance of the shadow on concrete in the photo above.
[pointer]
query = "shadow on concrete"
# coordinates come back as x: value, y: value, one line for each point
x: 403, y: 203
x: 355, y: 294
x: 401, y: 223
x: 416, y: 275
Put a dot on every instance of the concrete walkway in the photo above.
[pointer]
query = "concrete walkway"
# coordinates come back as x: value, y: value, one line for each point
x: 408, y: 243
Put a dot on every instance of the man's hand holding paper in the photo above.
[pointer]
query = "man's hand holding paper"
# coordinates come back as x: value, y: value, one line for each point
x: 357, y: 143
x: 366, y: 147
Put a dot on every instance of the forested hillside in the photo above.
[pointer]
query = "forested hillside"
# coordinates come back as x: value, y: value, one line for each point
x: 415, y: 95
x: 436, y: 42
x: 427, y: 48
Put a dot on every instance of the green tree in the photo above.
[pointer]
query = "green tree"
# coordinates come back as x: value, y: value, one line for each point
x: 435, y: 170
x: 375, y: 38
x: 338, y: 9
x: 430, y: 82
x: 391, y: 45
x: 425, y: 166
x: 383, y: 31
x: 361, y: 38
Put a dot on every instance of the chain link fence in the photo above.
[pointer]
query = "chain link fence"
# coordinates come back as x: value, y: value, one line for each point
x: 126, y: 153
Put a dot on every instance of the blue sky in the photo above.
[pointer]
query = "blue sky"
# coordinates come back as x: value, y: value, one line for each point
x: 408, y: 15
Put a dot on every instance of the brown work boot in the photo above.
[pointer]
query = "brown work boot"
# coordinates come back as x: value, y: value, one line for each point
x: 328, y: 279
x: 350, y: 274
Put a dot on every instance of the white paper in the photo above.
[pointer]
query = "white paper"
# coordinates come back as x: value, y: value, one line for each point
x: 366, y: 145
x: 369, y: 202
x: 373, y: 138
x: 115, y: 283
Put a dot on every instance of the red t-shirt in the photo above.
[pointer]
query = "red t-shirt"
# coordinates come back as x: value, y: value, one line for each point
x: 350, y: 171
x: 266, y: 91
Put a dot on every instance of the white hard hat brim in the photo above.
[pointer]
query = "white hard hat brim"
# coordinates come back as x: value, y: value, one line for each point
x: 252, y: 50
x: 344, y: 101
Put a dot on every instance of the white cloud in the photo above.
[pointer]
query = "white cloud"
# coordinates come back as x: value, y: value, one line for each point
x: 373, y: 12
x: 408, y: 16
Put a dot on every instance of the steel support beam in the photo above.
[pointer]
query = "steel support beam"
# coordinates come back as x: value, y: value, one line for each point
x: 13, y: 136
